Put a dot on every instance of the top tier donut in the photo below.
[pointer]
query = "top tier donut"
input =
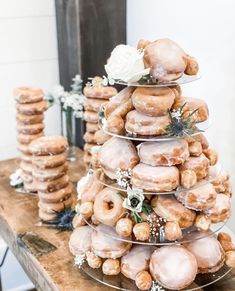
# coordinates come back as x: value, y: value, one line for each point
x: 159, y: 63
x: 48, y: 145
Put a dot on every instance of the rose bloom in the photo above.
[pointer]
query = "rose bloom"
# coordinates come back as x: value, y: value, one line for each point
x: 126, y: 64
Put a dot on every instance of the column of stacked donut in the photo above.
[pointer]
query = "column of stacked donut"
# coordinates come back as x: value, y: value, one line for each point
x: 50, y: 172
x: 97, y: 96
x: 30, y: 115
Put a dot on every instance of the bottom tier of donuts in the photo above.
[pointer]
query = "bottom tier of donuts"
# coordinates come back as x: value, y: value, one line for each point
x: 129, y: 266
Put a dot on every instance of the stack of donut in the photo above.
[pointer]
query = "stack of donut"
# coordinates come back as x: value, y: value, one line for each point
x: 30, y: 115
x: 50, y: 172
x: 97, y: 96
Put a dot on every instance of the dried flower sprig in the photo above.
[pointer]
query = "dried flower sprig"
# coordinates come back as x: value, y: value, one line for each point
x: 180, y: 125
x: 123, y: 177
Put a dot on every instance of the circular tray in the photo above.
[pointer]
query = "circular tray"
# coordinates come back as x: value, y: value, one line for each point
x: 120, y: 282
x: 188, y: 235
x: 203, y: 126
x: 182, y: 80
x: 107, y: 182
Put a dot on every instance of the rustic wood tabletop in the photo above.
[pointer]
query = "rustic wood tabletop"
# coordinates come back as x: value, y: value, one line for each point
x: 53, y: 270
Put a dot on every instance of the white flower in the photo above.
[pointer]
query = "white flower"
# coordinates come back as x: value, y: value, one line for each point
x: 156, y: 287
x: 15, y: 178
x: 123, y: 177
x: 77, y: 78
x: 95, y: 149
x: 79, y: 260
x: 82, y: 183
x: 58, y: 92
x: 134, y: 200
x: 126, y: 63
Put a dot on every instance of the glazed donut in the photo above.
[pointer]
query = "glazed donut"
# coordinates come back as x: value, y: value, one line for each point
x: 98, y: 91
x: 80, y: 240
x: 92, y: 127
x: 120, y: 104
x: 200, y: 138
x: 136, y: 260
x: 114, y: 124
x: 48, y: 217
x: 91, y: 116
x: 48, y: 162
x: 101, y: 137
x: 26, y: 177
x: 111, y: 267
x: 155, y: 179
x: 188, y: 179
x: 55, y: 207
x: 172, y: 231
x: 195, y: 148
x: 202, y: 222
x: 29, y: 119
x: 168, y: 207
x: 32, y: 108
x: 24, y: 148
x: 221, y: 210
x: 108, y: 206
x: 89, y: 137
x: 211, y: 155
x: 200, y: 198
x: 124, y: 227
x: 174, y: 267
x: 207, y: 251
x: 26, y: 167
x: 218, y: 179
x: 104, y: 246
x: 142, y: 43
x: 88, y: 187
x: 93, y: 261
x: 50, y: 174
x: 28, y: 95
x: 117, y: 153
x: 30, y: 128
x: 92, y: 104
x: 137, y: 123
x: 200, y: 165
x: 202, y: 113
x: 28, y: 138
x: 56, y: 196
x: 167, y: 60
x: 26, y: 158
x: 86, y: 210
x: 141, y: 231
x: 51, y: 186
x: 164, y: 153
x: 153, y: 101
x: 49, y: 145
x: 87, y: 158
x: 143, y: 280
x: 88, y: 147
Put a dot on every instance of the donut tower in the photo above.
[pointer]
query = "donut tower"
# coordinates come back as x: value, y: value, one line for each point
x: 97, y: 95
x: 149, y: 216
x: 30, y: 115
x: 50, y: 172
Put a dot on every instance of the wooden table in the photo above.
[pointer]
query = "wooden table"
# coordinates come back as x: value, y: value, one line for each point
x: 55, y: 270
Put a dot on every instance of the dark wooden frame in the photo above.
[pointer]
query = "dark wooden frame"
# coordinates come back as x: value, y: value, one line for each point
x: 87, y: 32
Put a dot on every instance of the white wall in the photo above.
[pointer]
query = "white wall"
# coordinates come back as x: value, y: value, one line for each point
x: 28, y: 56
x: 206, y: 30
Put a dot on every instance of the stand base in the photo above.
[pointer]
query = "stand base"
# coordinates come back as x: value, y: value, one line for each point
x: 120, y: 282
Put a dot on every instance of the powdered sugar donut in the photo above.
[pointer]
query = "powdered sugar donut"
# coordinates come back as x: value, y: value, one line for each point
x: 174, y: 267
x: 105, y: 246
x: 164, y: 153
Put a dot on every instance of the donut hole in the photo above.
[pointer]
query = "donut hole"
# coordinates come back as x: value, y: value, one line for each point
x: 110, y: 205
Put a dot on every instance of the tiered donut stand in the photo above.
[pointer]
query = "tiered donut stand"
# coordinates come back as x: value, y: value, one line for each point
x: 153, y: 228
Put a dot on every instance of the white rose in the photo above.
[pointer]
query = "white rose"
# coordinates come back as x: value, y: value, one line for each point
x: 126, y: 64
